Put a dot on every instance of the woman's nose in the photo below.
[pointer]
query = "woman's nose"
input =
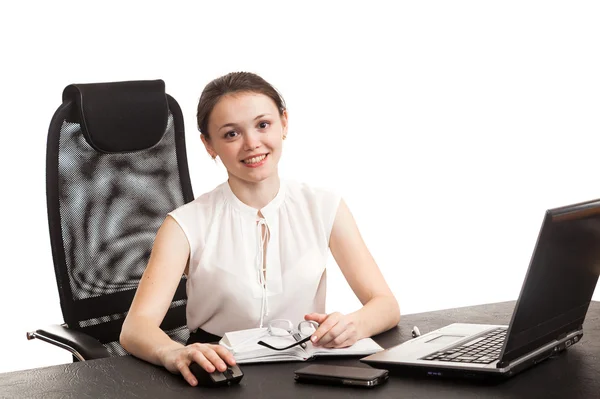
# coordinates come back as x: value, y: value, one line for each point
x: 251, y: 140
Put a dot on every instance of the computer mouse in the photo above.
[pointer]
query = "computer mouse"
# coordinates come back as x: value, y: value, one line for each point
x: 231, y: 376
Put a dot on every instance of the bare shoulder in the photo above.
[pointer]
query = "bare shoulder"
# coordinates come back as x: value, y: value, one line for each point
x: 171, y: 232
x: 344, y: 223
x: 171, y: 247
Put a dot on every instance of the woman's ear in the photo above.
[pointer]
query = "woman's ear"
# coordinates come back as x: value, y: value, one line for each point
x: 211, y: 151
x: 284, y: 124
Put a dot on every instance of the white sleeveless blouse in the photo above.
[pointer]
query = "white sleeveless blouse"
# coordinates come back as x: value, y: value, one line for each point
x: 226, y: 288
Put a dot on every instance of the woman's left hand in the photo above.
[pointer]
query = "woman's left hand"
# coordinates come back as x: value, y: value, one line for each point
x: 335, y: 330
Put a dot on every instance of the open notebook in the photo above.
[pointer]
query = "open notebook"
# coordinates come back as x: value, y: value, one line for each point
x: 243, y: 345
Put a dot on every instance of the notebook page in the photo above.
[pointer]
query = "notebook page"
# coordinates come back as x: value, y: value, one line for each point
x: 365, y: 346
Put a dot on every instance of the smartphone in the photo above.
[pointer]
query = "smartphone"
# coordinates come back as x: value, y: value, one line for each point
x: 341, y: 375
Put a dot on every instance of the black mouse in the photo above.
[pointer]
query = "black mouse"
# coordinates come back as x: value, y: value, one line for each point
x: 231, y: 376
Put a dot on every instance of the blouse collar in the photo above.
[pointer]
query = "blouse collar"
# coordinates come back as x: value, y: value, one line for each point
x: 268, y: 209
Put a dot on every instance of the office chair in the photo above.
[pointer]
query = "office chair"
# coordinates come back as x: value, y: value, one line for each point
x: 115, y: 166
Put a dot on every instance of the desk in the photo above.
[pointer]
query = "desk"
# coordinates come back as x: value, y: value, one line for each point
x: 575, y: 374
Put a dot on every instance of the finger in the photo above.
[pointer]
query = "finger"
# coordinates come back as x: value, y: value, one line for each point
x: 198, y: 357
x: 214, y: 358
x: 324, y: 328
x: 184, y: 370
x: 347, y: 343
x: 333, y: 334
x: 318, y: 317
x: 224, y: 354
x: 338, y: 340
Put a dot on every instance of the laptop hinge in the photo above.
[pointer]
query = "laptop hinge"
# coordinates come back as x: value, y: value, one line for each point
x: 503, y: 363
x: 558, y: 344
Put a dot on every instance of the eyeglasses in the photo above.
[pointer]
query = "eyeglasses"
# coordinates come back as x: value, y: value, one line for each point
x: 278, y: 329
x: 285, y: 328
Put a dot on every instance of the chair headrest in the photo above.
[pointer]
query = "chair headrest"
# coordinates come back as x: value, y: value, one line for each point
x: 121, y: 116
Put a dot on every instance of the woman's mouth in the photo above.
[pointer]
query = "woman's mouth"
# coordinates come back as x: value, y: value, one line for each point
x: 255, y: 162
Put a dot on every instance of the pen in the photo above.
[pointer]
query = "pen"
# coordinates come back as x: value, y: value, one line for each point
x: 415, y: 332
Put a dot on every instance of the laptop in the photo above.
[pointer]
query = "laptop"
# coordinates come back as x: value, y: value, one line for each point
x: 547, y: 318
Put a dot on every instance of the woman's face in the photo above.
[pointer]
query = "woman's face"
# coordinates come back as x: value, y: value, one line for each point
x: 246, y: 132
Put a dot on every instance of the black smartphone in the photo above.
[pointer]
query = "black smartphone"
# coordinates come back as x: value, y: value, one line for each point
x: 341, y: 375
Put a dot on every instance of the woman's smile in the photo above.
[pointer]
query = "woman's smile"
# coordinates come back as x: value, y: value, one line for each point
x: 256, y: 161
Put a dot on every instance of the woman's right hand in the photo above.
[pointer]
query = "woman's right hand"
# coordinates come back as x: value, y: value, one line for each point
x: 208, y: 356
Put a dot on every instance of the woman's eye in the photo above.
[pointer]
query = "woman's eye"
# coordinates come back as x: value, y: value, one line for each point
x: 231, y: 134
x: 263, y: 125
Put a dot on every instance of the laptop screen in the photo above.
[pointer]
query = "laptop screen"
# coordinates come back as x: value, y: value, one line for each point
x: 560, y: 281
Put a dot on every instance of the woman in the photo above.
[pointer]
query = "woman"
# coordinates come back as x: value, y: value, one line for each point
x: 254, y: 249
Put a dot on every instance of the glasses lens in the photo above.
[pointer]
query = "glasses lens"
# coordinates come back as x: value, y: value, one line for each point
x: 307, y: 328
x: 280, y: 328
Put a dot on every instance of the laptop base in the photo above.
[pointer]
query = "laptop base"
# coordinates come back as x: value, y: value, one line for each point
x: 482, y: 376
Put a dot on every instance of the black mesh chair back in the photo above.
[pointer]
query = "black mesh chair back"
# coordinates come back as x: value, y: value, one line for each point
x: 116, y: 165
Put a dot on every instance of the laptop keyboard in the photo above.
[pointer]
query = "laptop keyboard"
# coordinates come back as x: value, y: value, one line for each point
x: 483, y: 350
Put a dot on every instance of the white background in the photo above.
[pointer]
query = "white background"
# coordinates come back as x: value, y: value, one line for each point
x: 448, y: 127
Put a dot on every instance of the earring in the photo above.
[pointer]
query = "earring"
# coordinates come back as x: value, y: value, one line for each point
x: 283, y: 137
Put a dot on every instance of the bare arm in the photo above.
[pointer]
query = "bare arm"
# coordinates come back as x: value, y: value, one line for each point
x: 141, y: 334
x: 380, y: 310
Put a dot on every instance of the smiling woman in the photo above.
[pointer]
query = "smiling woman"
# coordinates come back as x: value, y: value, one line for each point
x: 248, y: 130
x: 254, y: 249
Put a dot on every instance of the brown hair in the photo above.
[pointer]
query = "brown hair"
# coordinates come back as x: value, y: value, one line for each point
x: 234, y: 82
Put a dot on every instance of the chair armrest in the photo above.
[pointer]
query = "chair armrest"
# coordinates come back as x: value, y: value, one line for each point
x: 82, y: 346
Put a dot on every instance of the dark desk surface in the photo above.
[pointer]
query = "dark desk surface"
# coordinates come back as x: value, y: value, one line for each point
x: 575, y: 374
